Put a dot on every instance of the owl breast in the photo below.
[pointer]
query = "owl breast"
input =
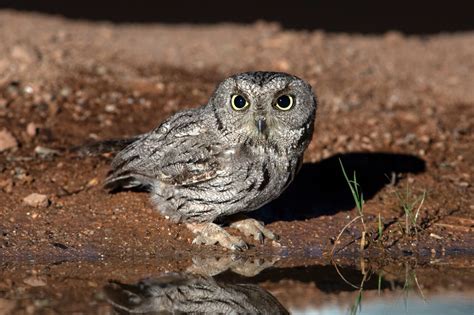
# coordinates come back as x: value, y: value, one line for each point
x: 246, y: 180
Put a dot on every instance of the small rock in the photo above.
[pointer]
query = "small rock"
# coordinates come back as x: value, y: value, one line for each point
x: 28, y: 89
x: 3, y: 103
x: 425, y: 139
x: 45, y: 152
x: 65, y: 91
x: 6, y: 185
x: 436, y: 236
x: 36, y: 200
x: 110, y: 108
x: 34, y: 281
x: 93, y: 182
x: 31, y: 129
x: 7, y: 140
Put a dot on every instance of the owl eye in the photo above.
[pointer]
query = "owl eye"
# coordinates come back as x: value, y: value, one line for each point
x: 284, y: 102
x: 239, y: 102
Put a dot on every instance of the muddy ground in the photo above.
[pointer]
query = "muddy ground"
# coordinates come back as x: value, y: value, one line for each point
x: 398, y: 110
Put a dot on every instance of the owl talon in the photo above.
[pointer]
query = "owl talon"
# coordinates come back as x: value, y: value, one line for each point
x: 210, y: 234
x: 252, y: 227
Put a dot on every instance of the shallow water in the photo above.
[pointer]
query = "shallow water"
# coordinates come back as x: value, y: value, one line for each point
x: 228, y: 284
x: 453, y: 304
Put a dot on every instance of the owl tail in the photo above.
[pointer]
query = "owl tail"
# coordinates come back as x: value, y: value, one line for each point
x: 127, y: 181
x: 149, y: 296
x: 127, y: 171
x: 101, y: 147
x: 128, y: 298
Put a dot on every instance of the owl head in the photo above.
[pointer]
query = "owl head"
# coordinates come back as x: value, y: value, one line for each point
x: 265, y: 109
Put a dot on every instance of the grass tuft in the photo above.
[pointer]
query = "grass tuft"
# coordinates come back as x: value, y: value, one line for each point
x: 358, y: 197
x: 411, y: 205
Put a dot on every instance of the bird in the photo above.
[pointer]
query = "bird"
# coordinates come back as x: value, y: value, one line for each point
x: 186, y: 293
x: 226, y: 158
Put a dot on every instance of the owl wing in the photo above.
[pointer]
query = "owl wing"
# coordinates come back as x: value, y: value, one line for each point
x: 194, y: 164
x: 179, y: 152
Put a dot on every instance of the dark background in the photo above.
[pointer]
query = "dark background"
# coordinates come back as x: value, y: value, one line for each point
x: 409, y: 17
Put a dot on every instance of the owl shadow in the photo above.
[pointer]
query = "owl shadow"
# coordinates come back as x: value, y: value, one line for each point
x: 321, y: 189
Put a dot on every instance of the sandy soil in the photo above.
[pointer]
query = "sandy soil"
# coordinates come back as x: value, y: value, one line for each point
x: 398, y: 110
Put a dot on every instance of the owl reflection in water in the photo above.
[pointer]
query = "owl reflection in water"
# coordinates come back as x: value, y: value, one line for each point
x: 181, y: 293
x: 233, y: 155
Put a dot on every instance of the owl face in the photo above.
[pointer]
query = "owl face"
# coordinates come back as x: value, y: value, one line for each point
x: 261, y: 108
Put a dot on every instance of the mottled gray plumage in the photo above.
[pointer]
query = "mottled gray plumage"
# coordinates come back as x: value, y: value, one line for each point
x: 214, y: 161
x: 177, y: 293
x: 234, y: 154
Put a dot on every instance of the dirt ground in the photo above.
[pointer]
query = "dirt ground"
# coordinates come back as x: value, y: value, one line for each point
x: 398, y: 110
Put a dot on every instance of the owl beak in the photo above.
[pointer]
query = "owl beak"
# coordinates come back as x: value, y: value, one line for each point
x: 261, y: 124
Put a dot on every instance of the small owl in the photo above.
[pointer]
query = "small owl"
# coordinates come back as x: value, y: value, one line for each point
x: 233, y: 155
x: 182, y: 293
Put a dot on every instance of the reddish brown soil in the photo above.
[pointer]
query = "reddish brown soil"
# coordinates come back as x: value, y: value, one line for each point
x: 410, y: 98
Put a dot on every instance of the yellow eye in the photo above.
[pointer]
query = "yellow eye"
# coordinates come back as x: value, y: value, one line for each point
x: 239, y: 102
x: 284, y: 102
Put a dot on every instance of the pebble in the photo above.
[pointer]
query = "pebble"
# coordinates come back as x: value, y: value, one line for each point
x: 34, y: 281
x: 36, y: 200
x: 7, y: 140
x: 6, y: 185
x: 31, y: 129
x: 45, y: 152
x: 93, y: 182
x: 436, y: 236
x: 3, y: 103
x: 110, y: 108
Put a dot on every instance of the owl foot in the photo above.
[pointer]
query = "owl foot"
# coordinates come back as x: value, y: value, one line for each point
x: 252, y: 227
x: 211, y: 233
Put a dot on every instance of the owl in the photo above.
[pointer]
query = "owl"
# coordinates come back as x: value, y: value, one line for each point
x: 233, y: 155
x: 183, y: 293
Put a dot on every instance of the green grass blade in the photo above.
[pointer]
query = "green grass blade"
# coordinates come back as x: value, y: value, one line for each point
x: 353, y: 187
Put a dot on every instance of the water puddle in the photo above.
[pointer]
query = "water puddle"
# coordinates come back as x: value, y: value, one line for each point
x: 437, y: 304
x: 233, y: 284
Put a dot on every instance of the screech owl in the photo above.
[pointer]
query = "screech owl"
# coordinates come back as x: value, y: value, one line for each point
x: 233, y: 155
